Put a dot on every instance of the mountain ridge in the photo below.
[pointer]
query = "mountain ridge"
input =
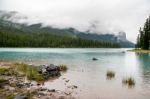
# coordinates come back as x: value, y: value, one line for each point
x: 67, y: 32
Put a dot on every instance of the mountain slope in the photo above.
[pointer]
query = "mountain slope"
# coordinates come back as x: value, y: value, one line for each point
x: 12, y: 36
x: 66, y: 32
x: 107, y: 38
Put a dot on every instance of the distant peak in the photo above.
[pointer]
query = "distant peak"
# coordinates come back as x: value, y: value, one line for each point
x: 122, y: 36
x: 12, y: 16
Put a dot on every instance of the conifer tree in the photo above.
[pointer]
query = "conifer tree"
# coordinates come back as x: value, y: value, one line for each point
x: 143, y: 39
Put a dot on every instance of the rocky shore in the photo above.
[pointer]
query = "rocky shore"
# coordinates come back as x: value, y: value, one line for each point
x: 24, y: 81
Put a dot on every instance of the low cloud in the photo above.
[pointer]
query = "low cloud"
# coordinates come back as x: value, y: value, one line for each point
x: 101, y: 16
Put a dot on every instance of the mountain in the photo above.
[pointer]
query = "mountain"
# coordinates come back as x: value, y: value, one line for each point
x: 7, y: 20
x: 120, y: 38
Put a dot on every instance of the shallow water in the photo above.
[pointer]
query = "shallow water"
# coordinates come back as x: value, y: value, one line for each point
x: 88, y: 75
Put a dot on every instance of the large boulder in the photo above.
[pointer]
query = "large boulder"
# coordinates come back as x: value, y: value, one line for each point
x: 49, y: 71
x: 94, y: 59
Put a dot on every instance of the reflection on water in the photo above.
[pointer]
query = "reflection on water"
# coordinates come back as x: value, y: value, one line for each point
x: 144, y: 62
x: 90, y: 76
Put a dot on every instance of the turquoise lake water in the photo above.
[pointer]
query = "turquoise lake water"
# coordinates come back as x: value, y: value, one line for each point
x: 89, y: 75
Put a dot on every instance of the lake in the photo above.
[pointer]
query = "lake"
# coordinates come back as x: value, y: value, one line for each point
x: 88, y: 75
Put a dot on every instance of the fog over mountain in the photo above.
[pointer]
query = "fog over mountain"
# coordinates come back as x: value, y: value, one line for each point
x: 95, y: 16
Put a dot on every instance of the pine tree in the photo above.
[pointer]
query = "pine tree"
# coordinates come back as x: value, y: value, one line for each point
x: 149, y: 31
x: 138, y: 42
x: 146, y: 35
x: 143, y: 39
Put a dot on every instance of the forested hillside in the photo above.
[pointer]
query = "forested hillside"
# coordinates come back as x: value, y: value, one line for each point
x: 12, y: 37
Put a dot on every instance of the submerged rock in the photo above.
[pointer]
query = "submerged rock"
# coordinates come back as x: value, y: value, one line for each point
x: 94, y: 59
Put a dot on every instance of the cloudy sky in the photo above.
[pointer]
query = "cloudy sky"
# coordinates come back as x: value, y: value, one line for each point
x: 106, y: 16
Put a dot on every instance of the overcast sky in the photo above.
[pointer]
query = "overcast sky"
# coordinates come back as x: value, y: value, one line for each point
x: 107, y: 15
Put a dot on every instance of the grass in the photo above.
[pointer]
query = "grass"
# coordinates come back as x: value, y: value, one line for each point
x: 129, y: 81
x: 63, y: 67
x: 9, y: 97
x: 33, y: 74
x: 20, y: 67
x: 3, y: 81
x: 3, y: 71
x: 110, y: 74
x: 139, y: 51
x: 30, y: 72
x: 28, y: 94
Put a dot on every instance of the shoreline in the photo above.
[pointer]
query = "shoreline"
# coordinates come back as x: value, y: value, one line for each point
x: 18, y: 86
x: 139, y: 51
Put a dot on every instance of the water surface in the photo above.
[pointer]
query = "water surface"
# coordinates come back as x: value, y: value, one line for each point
x: 88, y: 75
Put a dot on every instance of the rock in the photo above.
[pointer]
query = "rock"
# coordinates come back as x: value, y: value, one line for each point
x: 20, y: 97
x: 52, y: 90
x: 11, y: 89
x: 42, y: 89
x: 3, y: 82
x: 19, y: 85
x: 52, y: 67
x: 94, y: 59
x: 38, y: 84
x: 75, y: 86
x: 49, y: 71
x: 61, y: 97
x: 123, y: 52
x: 27, y: 85
x: 67, y: 81
x: 41, y: 94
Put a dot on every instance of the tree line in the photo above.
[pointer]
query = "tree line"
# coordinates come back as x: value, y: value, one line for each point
x: 143, y: 39
x: 10, y: 37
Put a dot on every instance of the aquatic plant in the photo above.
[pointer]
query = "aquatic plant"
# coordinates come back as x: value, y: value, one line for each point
x: 129, y: 81
x: 110, y: 74
x: 63, y: 67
